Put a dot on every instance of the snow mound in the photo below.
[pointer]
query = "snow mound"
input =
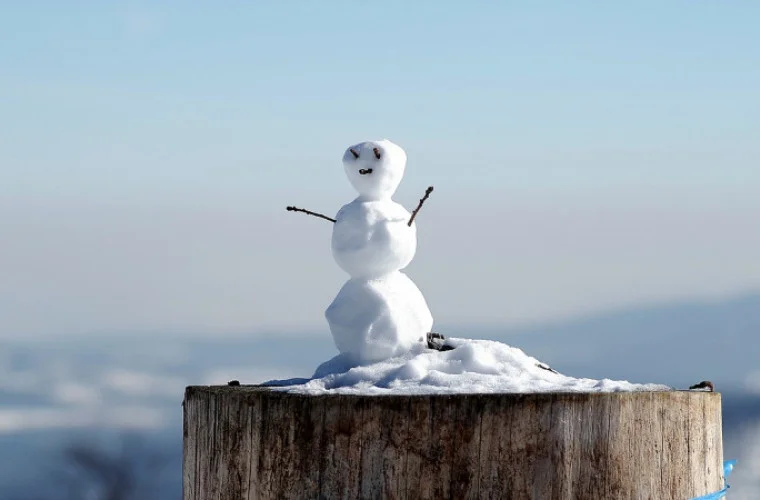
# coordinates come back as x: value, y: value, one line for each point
x: 472, y: 366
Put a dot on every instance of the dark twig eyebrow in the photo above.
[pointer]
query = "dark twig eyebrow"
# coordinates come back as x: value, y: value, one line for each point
x: 377, y: 153
x: 356, y: 155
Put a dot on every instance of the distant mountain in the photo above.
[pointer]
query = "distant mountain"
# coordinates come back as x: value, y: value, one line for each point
x: 677, y: 344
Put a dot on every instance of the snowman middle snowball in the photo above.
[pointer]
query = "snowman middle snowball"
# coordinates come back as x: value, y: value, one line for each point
x: 378, y: 313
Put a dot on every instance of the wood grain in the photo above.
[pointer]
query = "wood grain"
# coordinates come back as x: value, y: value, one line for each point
x: 248, y: 442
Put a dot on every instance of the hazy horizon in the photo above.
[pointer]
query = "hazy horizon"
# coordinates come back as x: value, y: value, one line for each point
x: 104, y: 267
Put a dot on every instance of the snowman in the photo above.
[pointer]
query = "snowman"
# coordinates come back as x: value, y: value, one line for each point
x: 379, y: 312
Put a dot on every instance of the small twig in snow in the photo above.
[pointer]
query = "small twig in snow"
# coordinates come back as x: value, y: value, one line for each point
x: 414, y: 214
x: 309, y: 212
x: 546, y: 367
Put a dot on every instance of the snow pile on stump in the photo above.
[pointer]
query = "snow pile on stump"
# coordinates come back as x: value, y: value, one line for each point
x: 472, y: 366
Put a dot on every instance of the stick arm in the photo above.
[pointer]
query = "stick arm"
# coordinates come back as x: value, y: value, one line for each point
x: 419, y: 205
x: 309, y: 212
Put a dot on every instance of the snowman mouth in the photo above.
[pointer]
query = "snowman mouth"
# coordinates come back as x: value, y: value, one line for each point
x: 363, y: 171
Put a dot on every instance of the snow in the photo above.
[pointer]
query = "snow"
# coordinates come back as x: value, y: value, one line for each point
x: 472, y: 366
x: 379, y: 312
x: 387, y: 170
x: 372, y: 238
x: 377, y: 319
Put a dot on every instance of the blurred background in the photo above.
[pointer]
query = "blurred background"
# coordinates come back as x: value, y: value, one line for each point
x: 597, y: 197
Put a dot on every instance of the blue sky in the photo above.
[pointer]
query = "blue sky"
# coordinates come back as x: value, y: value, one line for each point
x: 153, y: 146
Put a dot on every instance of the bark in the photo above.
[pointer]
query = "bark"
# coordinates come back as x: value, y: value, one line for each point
x: 250, y: 442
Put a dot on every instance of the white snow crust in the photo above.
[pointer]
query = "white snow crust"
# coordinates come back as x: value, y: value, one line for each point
x: 473, y: 366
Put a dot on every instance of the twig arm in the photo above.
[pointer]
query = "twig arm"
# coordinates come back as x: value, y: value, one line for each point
x: 416, y: 210
x: 309, y: 212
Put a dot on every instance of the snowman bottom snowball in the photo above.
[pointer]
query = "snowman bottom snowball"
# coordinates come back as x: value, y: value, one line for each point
x: 372, y: 320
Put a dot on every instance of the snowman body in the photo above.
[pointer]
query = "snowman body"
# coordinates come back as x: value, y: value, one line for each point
x: 371, y: 238
x: 379, y: 312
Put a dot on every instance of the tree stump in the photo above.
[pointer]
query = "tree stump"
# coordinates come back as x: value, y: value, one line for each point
x: 250, y: 442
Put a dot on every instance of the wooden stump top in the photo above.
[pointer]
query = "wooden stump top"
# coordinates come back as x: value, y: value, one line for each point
x: 254, y: 442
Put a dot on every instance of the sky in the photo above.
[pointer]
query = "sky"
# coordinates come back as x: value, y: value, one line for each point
x: 585, y: 156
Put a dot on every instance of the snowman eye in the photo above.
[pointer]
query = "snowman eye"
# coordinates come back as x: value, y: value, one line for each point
x: 377, y: 153
x: 356, y: 155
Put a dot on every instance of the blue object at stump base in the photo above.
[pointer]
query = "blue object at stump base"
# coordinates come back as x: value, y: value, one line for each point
x: 728, y: 466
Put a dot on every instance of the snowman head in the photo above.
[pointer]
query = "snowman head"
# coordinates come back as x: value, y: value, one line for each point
x: 375, y: 168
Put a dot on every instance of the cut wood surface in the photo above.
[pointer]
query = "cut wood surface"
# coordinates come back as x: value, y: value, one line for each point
x: 249, y: 442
